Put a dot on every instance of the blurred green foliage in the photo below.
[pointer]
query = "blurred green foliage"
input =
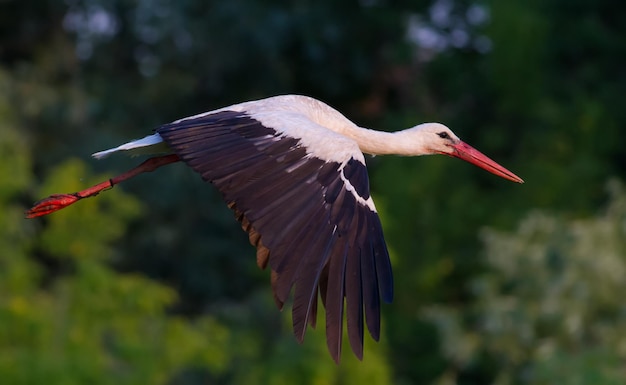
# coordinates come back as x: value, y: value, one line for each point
x: 154, y: 281
x: 547, y: 309
x: 66, y: 317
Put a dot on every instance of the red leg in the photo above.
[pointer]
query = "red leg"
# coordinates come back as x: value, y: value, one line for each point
x: 59, y: 201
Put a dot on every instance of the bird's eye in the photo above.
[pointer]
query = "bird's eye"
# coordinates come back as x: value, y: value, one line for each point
x: 443, y: 135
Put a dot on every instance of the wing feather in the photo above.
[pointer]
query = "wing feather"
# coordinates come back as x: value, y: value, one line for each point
x: 311, y: 220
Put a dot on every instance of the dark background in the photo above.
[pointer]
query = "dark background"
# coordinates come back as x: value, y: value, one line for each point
x: 153, y: 282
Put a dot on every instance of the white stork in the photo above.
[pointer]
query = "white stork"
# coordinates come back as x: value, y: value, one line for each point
x: 293, y: 171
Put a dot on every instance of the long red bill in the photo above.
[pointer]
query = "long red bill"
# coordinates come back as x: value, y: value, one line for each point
x: 469, y: 154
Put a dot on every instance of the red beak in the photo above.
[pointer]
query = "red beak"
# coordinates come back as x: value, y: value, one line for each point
x: 468, y: 153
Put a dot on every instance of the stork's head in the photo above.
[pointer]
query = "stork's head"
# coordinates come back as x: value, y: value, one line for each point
x: 438, y: 139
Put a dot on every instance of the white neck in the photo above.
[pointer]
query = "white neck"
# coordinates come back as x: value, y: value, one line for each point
x: 382, y: 143
x: 370, y: 141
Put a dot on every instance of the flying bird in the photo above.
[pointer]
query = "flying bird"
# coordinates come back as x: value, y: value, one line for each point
x: 293, y: 171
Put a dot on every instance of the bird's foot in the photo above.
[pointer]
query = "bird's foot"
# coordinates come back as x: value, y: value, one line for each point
x: 51, y: 204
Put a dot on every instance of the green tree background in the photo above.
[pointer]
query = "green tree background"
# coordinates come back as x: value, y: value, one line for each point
x: 154, y: 282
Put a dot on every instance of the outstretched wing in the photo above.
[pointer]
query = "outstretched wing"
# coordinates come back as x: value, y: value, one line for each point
x: 311, y: 219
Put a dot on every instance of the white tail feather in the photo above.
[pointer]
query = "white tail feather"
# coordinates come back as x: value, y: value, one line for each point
x: 151, y: 144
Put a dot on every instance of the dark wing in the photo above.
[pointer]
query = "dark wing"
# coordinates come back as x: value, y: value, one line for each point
x: 309, y: 219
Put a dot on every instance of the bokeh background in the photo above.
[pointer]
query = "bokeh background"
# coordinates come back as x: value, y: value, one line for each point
x: 154, y: 282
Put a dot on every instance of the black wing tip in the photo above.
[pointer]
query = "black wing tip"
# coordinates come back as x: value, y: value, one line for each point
x: 299, y: 336
x: 358, y: 352
x: 335, y: 354
x: 356, y: 343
